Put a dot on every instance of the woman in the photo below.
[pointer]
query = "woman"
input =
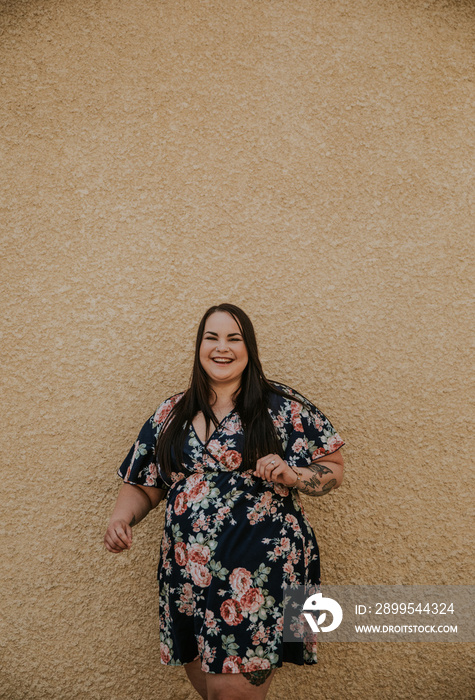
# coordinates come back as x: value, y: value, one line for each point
x: 233, y: 452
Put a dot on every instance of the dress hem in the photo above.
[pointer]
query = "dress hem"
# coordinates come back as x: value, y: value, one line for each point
x: 235, y: 673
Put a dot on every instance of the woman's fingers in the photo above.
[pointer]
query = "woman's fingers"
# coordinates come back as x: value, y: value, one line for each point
x: 276, y: 473
x: 122, y: 535
x: 118, y: 536
x: 112, y: 548
x: 274, y: 468
x: 262, y: 465
x: 270, y: 467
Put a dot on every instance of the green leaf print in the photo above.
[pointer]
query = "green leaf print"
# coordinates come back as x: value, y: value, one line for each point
x: 177, y: 533
x: 229, y: 644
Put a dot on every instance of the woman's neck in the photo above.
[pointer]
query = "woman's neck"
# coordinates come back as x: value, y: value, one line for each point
x: 224, y: 396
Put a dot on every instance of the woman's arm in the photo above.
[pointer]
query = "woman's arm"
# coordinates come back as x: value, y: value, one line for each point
x: 133, y: 503
x: 322, y: 476
x: 318, y: 479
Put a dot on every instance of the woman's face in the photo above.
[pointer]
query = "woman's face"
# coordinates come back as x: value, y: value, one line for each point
x: 223, y: 353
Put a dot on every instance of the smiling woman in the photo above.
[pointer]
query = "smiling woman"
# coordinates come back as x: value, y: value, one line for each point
x: 223, y: 356
x: 232, y: 454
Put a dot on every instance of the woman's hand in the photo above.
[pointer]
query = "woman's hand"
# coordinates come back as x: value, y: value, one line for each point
x: 118, y: 536
x: 133, y: 503
x: 274, y: 468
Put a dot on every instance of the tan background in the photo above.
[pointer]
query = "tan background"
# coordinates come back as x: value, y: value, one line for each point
x: 308, y: 160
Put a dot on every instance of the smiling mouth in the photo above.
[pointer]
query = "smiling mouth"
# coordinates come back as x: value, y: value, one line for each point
x: 222, y: 360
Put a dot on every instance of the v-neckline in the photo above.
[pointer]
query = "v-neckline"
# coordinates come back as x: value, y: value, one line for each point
x: 204, y: 444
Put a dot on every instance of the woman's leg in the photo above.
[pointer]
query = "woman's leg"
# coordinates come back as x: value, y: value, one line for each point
x: 237, y: 686
x: 197, y: 677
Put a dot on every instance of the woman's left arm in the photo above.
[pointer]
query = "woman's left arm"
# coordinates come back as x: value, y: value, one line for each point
x: 319, y: 478
x: 322, y: 476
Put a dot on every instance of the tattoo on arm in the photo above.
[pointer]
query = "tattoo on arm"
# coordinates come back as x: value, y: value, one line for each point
x: 133, y: 521
x: 311, y: 487
x: 258, y: 677
x: 319, y: 469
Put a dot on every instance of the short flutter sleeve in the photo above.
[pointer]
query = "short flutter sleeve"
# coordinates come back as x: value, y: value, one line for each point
x: 307, y: 432
x: 139, y: 467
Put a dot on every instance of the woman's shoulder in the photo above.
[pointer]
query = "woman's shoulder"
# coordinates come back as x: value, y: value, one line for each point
x: 163, y: 410
x: 286, y: 395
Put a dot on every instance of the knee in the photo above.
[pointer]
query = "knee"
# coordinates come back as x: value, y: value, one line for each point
x: 223, y: 694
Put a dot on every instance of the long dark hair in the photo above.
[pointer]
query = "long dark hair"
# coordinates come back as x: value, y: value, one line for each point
x: 251, y: 402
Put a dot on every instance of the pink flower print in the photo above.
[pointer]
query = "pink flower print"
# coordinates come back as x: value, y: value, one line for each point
x: 199, y: 553
x: 166, y: 566
x: 295, y: 416
x: 165, y: 655
x: 194, y: 479
x: 311, y: 647
x: 150, y: 480
x: 285, y: 543
x: 166, y: 544
x: 164, y: 409
x: 288, y: 567
x: 201, y: 523
x: 240, y: 580
x: 222, y: 512
x: 260, y: 637
x: 292, y: 520
x: 199, y: 573
x: 232, y: 664
x: 198, y: 492
x: 281, y: 490
x: 252, y: 600
x: 210, y: 622
x: 319, y: 452
x: 215, y: 447
x: 266, y: 498
x: 278, y: 421
x: 256, y: 664
x: 181, y: 503
x: 233, y: 459
x: 185, y: 604
x: 318, y: 422
x: 134, y: 454
x: 181, y: 555
x: 232, y: 425
x: 299, y: 445
x: 187, y: 594
x: 231, y: 612
x: 293, y: 556
x: 334, y: 442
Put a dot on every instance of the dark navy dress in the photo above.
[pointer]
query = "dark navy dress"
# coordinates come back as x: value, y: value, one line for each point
x: 232, y: 541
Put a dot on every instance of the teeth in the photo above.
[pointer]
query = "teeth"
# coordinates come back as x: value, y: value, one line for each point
x: 222, y: 361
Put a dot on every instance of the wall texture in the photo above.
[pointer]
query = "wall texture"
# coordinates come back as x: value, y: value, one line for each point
x: 308, y: 160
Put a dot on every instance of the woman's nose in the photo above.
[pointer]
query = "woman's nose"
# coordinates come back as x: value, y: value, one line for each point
x: 222, y: 345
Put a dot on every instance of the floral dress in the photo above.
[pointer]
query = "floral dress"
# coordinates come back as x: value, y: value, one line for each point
x: 232, y: 541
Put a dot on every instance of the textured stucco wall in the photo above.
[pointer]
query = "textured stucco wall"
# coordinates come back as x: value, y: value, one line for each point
x: 308, y: 160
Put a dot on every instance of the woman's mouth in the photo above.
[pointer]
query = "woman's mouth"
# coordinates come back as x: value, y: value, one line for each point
x: 222, y: 360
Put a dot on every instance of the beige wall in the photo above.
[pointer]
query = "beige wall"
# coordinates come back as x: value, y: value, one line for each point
x: 309, y: 160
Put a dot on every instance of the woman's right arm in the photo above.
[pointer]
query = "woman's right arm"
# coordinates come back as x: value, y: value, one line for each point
x: 133, y: 503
